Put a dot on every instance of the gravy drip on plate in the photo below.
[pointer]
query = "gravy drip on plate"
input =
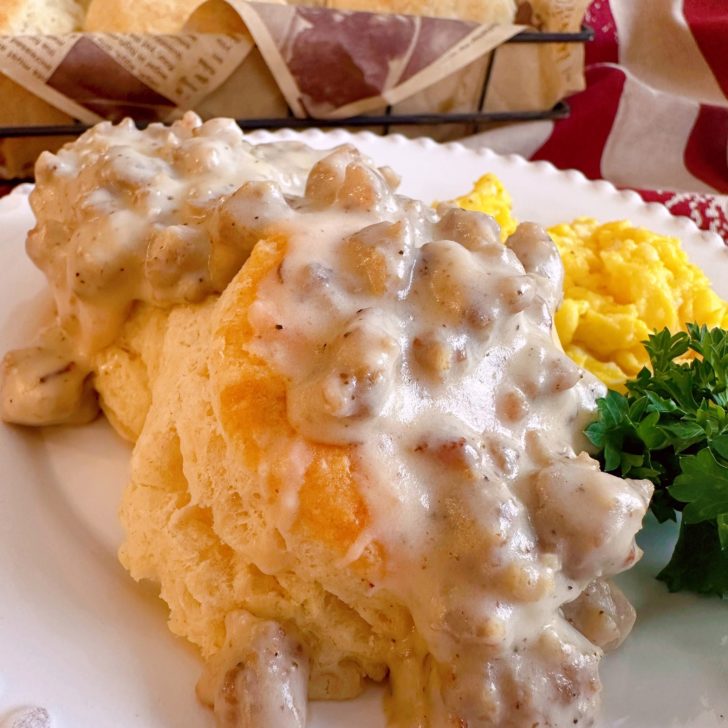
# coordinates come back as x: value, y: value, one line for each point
x: 419, y: 339
x: 45, y: 385
x: 125, y: 215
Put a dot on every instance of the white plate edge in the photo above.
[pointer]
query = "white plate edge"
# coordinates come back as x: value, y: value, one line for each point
x: 681, y: 222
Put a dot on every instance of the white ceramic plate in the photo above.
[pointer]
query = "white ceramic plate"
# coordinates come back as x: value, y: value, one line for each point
x: 80, y: 639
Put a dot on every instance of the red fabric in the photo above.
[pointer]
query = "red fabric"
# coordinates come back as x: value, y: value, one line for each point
x: 675, y: 85
x: 589, y: 123
x: 705, y: 151
x: 705, y: 210
x: 605, y: 46
x: 708, y: 22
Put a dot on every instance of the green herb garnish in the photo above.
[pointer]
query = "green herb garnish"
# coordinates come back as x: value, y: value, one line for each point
x: 672, y: 428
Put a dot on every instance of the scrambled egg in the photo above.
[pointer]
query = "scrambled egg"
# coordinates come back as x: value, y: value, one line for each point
x: 490, y: 196
x: 620, y: 284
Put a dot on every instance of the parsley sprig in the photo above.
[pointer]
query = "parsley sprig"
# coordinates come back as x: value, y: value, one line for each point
x: 672, y: 428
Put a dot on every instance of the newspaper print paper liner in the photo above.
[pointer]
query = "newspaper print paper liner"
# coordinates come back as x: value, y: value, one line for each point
x: 361, y: 62
x: 81, y: 640
x: 262, y: 70
x: 312, y: 56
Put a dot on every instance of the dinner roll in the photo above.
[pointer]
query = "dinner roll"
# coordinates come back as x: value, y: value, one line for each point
x: 24, y: 17
x: 138, y: 16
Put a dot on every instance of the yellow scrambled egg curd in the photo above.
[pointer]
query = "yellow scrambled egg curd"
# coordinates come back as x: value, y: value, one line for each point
x: 621, y: 283
x: 490, y: 196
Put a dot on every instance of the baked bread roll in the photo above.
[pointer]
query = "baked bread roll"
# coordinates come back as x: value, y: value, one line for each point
x: 25, y: 17
x: 138, y: 16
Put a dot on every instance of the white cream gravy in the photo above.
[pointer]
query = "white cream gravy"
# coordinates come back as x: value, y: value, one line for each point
x: 123, y: 216
x: 421, y: 340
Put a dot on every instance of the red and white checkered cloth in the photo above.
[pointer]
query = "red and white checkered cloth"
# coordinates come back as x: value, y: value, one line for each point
x: 654, y: 115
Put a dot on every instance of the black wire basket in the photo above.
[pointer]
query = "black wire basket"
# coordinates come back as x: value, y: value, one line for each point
x: 387, y: 120
x: 382, y: 122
